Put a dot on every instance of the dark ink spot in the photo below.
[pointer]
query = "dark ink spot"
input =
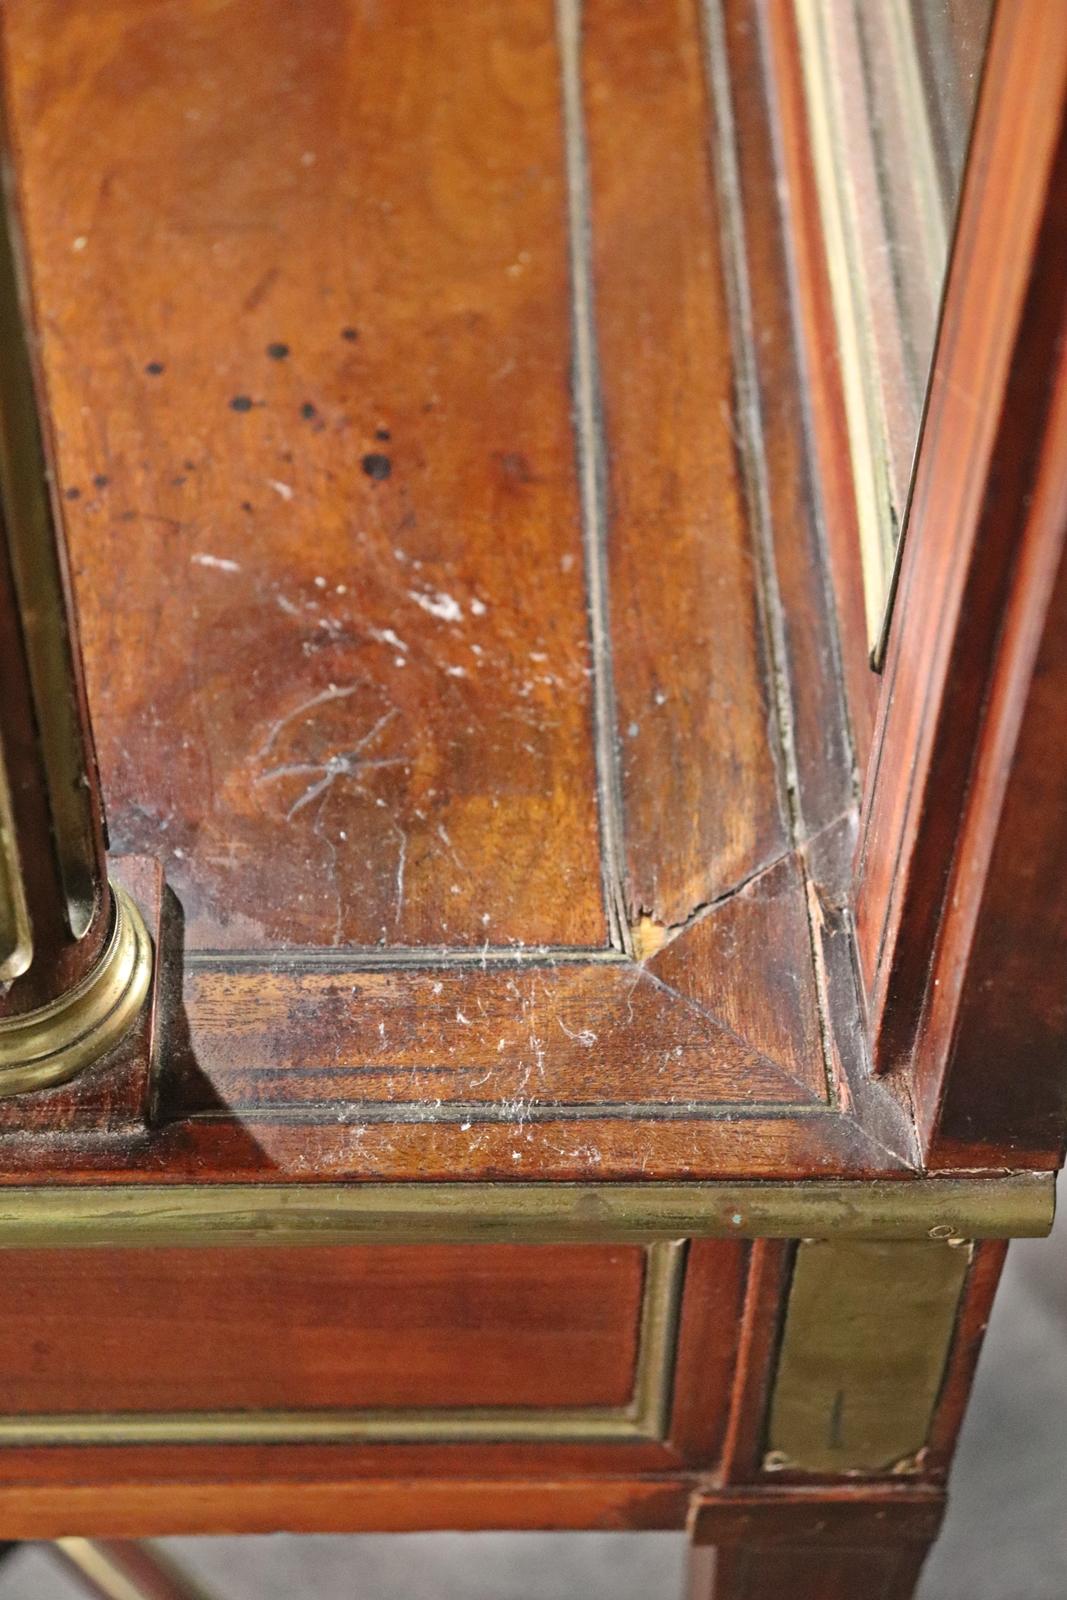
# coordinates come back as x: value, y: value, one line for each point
x: 154, y: 368
x: 377, y: 466
x: 178, y: 481
x: 190, y: 466
x: 246, y: 505
x: 73, y: 493
x: 307, y: 410
x: 351, y: 334
x: 241, y: 402
x: 101, y: 480
x: 383, y: 434
x: 277, y: 352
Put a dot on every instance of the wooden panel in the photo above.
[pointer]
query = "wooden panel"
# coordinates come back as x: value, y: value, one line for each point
x: 363, y: 228
x: 974, y: 512
x: 696, y: 726
x: 302, y: 276
x: 374, y: 1326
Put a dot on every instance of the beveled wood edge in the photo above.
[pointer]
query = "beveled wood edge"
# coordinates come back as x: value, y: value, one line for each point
x: 645, y: 1418
x: 1012, y: 1205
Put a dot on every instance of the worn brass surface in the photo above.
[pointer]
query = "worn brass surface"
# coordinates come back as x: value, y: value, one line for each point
x: 866, y: 1338
x: 49, y: 1046
x: 96, y: 1562
x: 16, y: 937
x: 1012, y: 1206
x: 645, y: 1417
x: 36, y: 555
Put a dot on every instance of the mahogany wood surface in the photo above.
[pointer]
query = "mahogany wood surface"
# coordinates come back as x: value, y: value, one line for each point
x: 984, y: 541
x: 368, y: 1326
x: 756, y: 1574
x: 453, y: 602
x: 432, y: 391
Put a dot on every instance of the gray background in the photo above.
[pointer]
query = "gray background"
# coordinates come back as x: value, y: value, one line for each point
x: 1005, y: 1537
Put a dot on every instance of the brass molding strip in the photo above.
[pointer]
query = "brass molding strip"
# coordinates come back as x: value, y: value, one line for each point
x: 16, y: 935
x: 120, y: 1570
x: 37, y: 565
x: 49, y: 1046
x: 867, y: 1334
x: 1015, y: 1205
x: 645, y: 1417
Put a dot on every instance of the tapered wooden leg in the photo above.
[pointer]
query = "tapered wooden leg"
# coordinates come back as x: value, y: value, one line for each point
x: 760, y: 1574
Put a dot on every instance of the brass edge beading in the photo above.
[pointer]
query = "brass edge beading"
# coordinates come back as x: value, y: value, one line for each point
x: 1011, y: 1205
x: 52, y: 1044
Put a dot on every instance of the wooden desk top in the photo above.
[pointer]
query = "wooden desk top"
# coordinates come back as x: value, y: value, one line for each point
x: 450, y: 587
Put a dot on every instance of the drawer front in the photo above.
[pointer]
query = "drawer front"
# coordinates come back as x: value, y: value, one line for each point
x: 338, y: 1343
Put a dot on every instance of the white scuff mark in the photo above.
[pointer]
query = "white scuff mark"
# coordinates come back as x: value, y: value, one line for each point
x: 286, y: 605
x: 584, y: 1036
x: 465, y: 1127
x: 478, y: 607
x: 285, y: 490
x: 455, y: 672
x: 466, y: 1021
x: 387, y: 636
x: 436, y: 988
x: 332, y: 691
x: 79, y: 243
x: 439, y: 605
x: 220, y: 563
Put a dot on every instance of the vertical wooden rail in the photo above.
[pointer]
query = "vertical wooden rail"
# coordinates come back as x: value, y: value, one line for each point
x: 74, y: 956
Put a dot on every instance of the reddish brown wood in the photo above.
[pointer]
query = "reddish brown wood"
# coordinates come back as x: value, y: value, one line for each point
x: 805, y: 1574
x: 386, y: 202
x: 770, y: 398
x: 380, y: 1327
x: 857, y: 1517
x: 821, y: 379
x: 976, y: 514
x: 690, y: 662
x: 708, y: 1329
x: 770, y: 1264
x: 119, y: 1509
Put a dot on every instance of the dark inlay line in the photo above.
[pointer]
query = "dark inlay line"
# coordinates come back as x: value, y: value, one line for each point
x: 589, y: 443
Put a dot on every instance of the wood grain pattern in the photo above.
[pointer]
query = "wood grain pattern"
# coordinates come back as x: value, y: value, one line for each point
x: 353, y: 1327
x: 343, y: 707
x: 686, y: 632
x: 504, y: 796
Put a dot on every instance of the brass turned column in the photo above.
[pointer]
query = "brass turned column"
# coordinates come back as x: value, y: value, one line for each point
x: 75, y: 958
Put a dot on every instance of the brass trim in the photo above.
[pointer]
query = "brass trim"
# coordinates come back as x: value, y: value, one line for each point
x: 95, y: 1561
x: 54, y: 1043
x: 1014, y: 1205
x: 32, y: 524
x: 645, y: 1417
x: 16, y: 935
x: 867, y: 1334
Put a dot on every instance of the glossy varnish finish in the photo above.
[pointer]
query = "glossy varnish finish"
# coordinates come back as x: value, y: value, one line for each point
x: 448, y: 636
